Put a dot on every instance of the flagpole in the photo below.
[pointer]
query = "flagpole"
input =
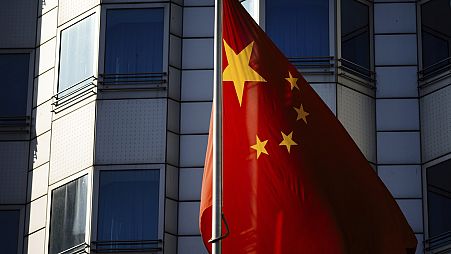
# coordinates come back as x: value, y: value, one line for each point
x: 217, y: 134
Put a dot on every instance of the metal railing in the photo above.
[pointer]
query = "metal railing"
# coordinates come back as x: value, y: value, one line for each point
x: 440, y: 244
x: 15, y: 124
x: 133, y: 81
x: 77, y: 249
x: 124, y: 246
x: 74, y: 94
x: 434, y: 70
x: 314, y: 65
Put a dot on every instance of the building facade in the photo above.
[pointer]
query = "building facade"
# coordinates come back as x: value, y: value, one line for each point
x: 105, y: 106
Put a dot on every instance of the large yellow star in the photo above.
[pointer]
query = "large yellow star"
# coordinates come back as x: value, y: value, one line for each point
x: 301, y: 113
x: 293, y: 81
x: 239, y: 70
x: 287, y: 141
x: 260, y: 147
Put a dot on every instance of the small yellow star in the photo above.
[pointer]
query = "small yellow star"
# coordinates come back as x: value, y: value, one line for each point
x: 260, y: 147
x: 287, y: 141
x: 293, y: 81
x: 301, y: 113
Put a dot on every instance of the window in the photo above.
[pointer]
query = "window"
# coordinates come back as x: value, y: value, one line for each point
x: 300, y: 28
x: 251, y: 7
x: 9, y: 230
x: 77, y: 54
x: 134, y: 42
x: 436, y: 36
x: 68, y: 215
x: 439, y: 198
x: 14, y: 72
x: 355, y: 37
x: 128, y: 209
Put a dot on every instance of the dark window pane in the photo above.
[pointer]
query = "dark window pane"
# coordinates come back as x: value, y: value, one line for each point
x: 300, y: 28
x: 77, y: 53
x: 355, y: 35
x: 436, y: 35
x: 439, y: 198
x: 128, y: 206
x: 68, y: 215
x: 14, y: 69
x: 134, y: 41
x: 9, y: 231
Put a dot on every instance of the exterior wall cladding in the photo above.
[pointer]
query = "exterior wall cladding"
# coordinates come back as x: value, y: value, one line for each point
x: 150, y: 126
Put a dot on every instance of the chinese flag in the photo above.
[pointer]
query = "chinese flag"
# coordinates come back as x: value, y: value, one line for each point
x: 293, y: 179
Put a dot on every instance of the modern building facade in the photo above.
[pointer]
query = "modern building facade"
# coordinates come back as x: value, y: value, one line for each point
x: 105, y: 106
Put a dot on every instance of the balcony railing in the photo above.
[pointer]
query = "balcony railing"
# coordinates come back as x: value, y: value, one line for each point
x: 314, y: 65
x: 140, y: 246
x: 74, y: 94
x: 16, y: 124
x: 77, y: 249
x: 133, y: 81
x: 435, y: 72
x: 440, y: 244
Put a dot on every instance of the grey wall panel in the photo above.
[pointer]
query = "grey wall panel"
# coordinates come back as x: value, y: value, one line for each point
x: 188, y: 218
x: 36, y: 214
x: 13, y: 172
x: 436, y: 124
x: 397, y: 114
x: 396, y: 49
x: 170, y: 244
x: 420, y: 245
x: 172, y: 182
x: 398, y: 147
x: 175, y: 51
x: 131, y: 131
x: 198, y: 22
x: 72, y: 143
x: 47, y: 25
x: 357, y: 112
x: 197, y: 85
x: 174, y: 78
x: 396, y: 82
x: 18, y: 22
x: 192, y: 150
x: 199, y: 2
x: 38, y: 181
x: 395, y: 18
x: 413, y: 211
x: 172, y: 148
x: 173, y: 116
x: 195, y: 117
x: 190, y: 183
x: 176, y: 24
x: 170, y: 223
x: 191, y: 244
x: 69, y: 9
x: 328, y: 93
x: 197, y: 54
x: 402, y: 181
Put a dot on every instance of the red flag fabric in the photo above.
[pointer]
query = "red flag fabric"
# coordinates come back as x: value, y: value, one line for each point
x: 293, y: 179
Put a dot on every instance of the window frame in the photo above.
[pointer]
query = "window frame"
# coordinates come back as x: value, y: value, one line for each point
x: 20, y: 236
x: 61, y: 183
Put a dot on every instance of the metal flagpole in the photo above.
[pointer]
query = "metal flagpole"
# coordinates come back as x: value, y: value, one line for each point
x: 217, y: 134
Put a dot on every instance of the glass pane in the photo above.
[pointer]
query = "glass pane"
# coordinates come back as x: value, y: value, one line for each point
x: 9, y: 231
x: 436, y: 35
x: 128, y: 207
x: 14, y: 69
x: 77, y: 53
x: 439, y: 198
x: 249, y: 5
x: 134, y: 41
x: 355, y: 35
x: 68, y: 215
x: 300, y: 28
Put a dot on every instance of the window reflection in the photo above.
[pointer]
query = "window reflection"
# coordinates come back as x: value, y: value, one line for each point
x: 14, y: 69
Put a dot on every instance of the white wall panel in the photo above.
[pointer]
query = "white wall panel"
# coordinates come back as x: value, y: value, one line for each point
x: 398, y: 147
x: 402, y: 181
x: 395, y: 18
x: 47, y: 25
x: 45, y: 6
x: 396, y: 49
x: 195, y: 117
x: 197, y: 54
x: 189, y: 218
x: 38, y: 181
x: 357, y: 114
x: 191, y: 244
x: 42, y: 119
x: 43, y: 87
x: 18, y: 24
x: 40, y: 150
x: 69, y: 9
x: 413, y: 211
x: 72, y: 143
x: 171, y: 211
x: 190, y: 183
x: 197, y: 85
x: 45, y: 57
x: 328, y: 93
x: 192, y: 150
x: 13, y: 172
x: 396, y: 81
x: 131, y: 131
x: 198, y: 21
x: 397, y: 114
x: 36, y: 215
x: 35, y: 243
x: 436, y: 124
